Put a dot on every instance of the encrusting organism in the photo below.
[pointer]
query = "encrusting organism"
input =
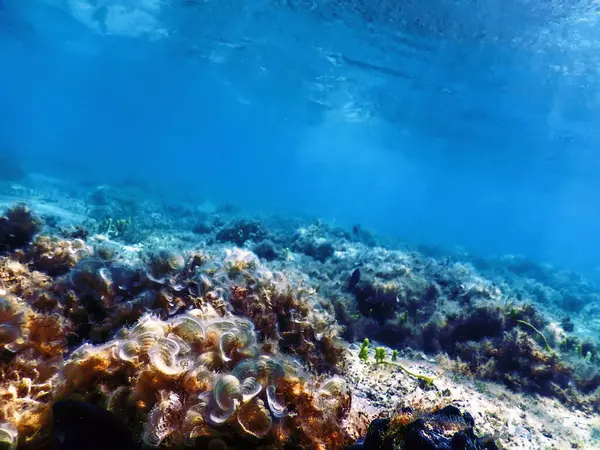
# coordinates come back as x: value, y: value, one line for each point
x: 194, y: 374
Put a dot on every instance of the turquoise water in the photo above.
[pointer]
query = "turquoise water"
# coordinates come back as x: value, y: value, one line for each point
x: 454, y: 123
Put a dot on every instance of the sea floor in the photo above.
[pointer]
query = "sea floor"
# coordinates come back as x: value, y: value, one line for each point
x: 509, y: 341
x: 516, y: 420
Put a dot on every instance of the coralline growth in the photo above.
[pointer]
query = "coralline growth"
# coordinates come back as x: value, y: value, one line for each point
x: 242, y: 346
x: 163, y: 345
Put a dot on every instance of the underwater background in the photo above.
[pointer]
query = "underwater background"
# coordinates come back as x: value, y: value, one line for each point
x: 299, y: 224
x: 439, y: 122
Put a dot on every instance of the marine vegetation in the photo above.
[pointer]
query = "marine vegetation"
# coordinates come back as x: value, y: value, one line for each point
x: 214, y: 346
x: 158, y: 342
x: 381, y: 358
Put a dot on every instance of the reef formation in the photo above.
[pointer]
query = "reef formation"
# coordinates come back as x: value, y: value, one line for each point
x: 237, y: 333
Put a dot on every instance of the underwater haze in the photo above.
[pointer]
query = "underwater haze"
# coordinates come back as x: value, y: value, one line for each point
x: 299, y: 224
x: 442, y: 122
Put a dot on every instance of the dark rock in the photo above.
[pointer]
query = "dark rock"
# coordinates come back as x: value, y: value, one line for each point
x: 322, y: 251
x: 80, y: 425
x: 567, y: 324
x: 414, y: 297
x: 266, y: 250
x: 354, y: 279
x: 429, y: 432
x: 241, y: 231
x: 375, y: 439
x: 17, y: 228
x: 482, y: 323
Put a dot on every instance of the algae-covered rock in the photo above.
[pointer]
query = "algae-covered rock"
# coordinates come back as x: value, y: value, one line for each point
x: 18, y: 226
x: 446, y: 429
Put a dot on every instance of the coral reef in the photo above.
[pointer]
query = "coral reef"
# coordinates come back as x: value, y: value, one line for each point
x: 292, y: 318
x: 439, y: 306
x: 210, y: 329
x: 195, y: 373
x: 56, y: 256
x: 32, y: 346
x: 199, y: 376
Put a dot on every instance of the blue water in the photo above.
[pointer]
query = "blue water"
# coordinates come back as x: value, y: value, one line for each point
x: 455, y: 123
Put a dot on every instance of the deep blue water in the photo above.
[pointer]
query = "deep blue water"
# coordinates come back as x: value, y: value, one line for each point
x: 471, y: 123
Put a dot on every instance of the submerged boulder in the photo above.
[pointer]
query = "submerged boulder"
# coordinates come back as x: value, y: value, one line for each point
x: 240, y: 231
x: 445, y: 429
